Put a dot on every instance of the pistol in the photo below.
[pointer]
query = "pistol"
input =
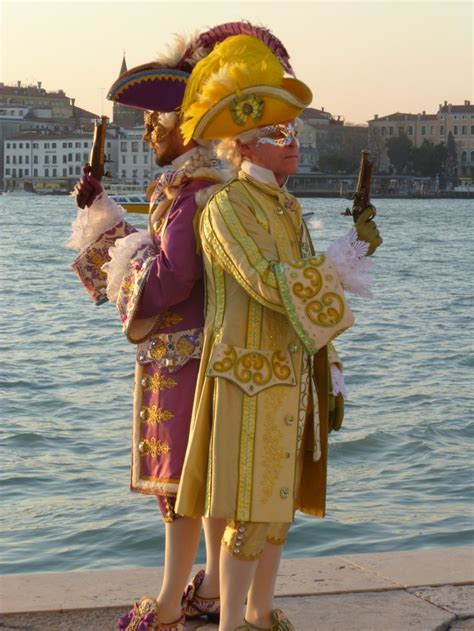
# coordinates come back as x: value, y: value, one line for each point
x: 97, y: 155
x: 361, y: 197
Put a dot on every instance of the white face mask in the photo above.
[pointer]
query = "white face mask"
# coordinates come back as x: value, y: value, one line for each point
x: 280, y: 135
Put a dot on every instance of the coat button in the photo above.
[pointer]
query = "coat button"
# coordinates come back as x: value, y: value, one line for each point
x: 143, y: 414
x: 293, y: 348
x: 141, y: 447
x: 284, y: 492
x: 289, y: 420
x: 144, y: 381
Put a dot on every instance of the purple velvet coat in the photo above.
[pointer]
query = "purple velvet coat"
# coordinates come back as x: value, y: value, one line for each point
x: 165, y: 287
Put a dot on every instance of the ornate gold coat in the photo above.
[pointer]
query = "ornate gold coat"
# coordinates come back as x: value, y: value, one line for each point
x: 270, y: 305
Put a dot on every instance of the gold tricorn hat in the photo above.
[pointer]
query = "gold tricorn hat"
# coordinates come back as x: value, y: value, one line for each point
x: 239, y: 86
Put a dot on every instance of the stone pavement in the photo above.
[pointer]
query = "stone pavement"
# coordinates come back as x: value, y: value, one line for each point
x: 423, y: 590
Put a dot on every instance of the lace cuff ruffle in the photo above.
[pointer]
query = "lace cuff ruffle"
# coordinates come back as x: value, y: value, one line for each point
x: 91, y: 222
x: 121, y: 255
x: 348, y: 256
x: 337, y: 380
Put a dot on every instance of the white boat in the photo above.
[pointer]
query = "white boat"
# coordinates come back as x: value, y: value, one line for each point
x: 132, y: 203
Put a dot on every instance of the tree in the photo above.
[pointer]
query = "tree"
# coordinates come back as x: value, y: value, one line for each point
x: 334, y: 163
x: 399, y: 151
x: 429, y: 160
x: 452, y: 157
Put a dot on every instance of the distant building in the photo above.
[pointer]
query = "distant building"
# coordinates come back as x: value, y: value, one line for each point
x: 124, y: 115
x: 50, y: 160
x: 457, y: 119
x: 323, y: 135
x: 136, y: 159
x: 31, y: 109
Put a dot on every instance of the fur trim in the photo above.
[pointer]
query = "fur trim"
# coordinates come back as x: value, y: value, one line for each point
x: 91, y: 222
x: 349, y: 258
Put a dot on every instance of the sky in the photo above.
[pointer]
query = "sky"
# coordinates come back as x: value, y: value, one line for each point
x: 359, y: 58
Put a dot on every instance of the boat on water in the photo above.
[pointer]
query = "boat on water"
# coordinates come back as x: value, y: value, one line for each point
x: 132, y: 203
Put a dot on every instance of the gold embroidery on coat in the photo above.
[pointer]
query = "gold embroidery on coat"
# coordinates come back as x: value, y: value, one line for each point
x: 315, y: 283
x: 158, y: 350
x: 153, y: 447
x: 154, y: 415
x: 184, y: 348
x: 254, y: 366
x: 325, y: 312
x: 158, y: 382
x: 273, y: 452
x: 167, y: 318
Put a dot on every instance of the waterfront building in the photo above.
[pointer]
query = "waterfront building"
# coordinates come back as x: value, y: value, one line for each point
x: 455, y: 119
x: 136, y: 160
x: 46, y: 160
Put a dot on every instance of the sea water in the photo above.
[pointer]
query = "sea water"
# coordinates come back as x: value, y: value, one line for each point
x: 401, y: 468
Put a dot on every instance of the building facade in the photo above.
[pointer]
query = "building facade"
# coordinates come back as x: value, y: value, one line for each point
x: 455, y: 119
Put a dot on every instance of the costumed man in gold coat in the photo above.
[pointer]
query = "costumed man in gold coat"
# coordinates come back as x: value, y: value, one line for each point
x: 258, y: 444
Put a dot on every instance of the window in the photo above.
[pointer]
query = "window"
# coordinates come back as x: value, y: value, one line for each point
x: 123, y: 146
x: 8, y: 145
x: 432, y: 130
x: 124, y: 173
x: 46, y: 145
x: 8, y: 159
x: 383, y: 131
x: 410, y: 130
x: 55, y: 158
x: 423, y: 130
x: 27, y: 172
x: 70, y: 170
x: 14, y: 172
x: 441, y: 130
x: 35, y: 159
x: 20, y: 146
x: 64, y: 145
x: 20, y: 173
x: 69, y: 145
x: 472, y: 130
x: 78, y: 170
x: 14, y: 159
x: 78, y: 157
x: 20, y: 159
x: 134, y: 147
x: 77, y: 145
x: 123, y: 159
x: 14, y: 145
x: 472, y: 156
x: 145, y: 147
x: 135, y: 173
x: 69, y: 157
x: 145, y: 159
x: 53, y: 145
x: 464, y: 157
x: 7, y: 171
x: 35, y: 145
x: 464, y: 130
x: 85, y: 157
x: 456, y: 129
x: 108, y: 144
x: 55, y: 172
x: 64, y: 172
x: 390, y: 131
x: 134, y: 159
x: 27, y: 159
x: 85, y: 145
x: 35, y: 172
x: 64, y: 159
x: 46, y: 159
x: 46, y: 173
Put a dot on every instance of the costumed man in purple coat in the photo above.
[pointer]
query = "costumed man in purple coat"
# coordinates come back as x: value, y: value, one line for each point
x: 155, y: 278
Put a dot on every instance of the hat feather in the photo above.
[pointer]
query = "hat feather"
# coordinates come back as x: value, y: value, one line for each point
x: 238, y: 62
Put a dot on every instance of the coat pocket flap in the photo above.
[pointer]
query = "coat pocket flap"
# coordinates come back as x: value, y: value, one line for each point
x: 251, y: 370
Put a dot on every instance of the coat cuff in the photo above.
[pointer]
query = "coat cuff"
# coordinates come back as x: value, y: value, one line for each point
x: 88, y: 265
x: 314, y: 300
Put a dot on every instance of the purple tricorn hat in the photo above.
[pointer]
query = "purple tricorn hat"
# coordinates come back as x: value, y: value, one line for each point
x: 160, y: 85
x: 150, y: 86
